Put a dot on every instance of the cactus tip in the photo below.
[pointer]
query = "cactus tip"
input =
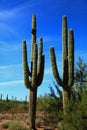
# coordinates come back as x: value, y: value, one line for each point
x: 33, y: 15
x: 64, y: 16
x: 51, y: 47
x: 24, y: 41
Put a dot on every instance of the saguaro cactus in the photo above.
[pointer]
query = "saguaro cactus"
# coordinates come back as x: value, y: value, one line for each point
x: 67, y: 80
x: 1, y: 97
x: 33, y: 76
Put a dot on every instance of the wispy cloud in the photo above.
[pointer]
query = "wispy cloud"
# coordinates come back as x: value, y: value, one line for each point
x: 7, y: 13
x: 8, y: 31
x: 14, y: 88
x: 11, y: 13
x: 10, y: 66
x: 9, y: 46
x: 11, y: 83
x: 18, y: 9
x: 10, y: 72
x: 9, y: 21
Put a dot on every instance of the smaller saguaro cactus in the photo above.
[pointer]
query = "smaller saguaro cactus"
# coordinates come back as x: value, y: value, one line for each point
x: 1, y: 97
x: 67, y: 80
x: 7, y: 98
x: 33, y: 76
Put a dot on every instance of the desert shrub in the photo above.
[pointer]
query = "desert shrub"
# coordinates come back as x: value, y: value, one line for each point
x: 17, y: 126
x: 12, y: 106
x: 22, y: 108
x: 6, y: 125
x: 3, y: 106
x: 76, y: 116
x: 38, y: 123
x: 76, y: 113
x: 51, y: 105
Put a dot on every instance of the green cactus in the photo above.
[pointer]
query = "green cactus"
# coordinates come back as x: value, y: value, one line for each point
x: 33, y: 76
x: 67, y: 80
x: 7, y: 98
x: 1, y: 97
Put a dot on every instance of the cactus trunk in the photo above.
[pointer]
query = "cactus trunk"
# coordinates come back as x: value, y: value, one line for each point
x: 32, y: 108
x: 66, y: 95
x: 33, y: 77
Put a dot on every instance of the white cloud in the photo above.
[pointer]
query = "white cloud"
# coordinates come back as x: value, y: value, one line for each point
x: 11, y: 83
x: 10, y: 72
x: 11, y: 13
x: 17, y: 10
x: 10, y: 66
x: 8, y: 47
x: 6, y: 13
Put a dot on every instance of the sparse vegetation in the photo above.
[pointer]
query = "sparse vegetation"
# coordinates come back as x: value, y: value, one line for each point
x: 13, y: 125
x: 65, y: 109
x: 17, y: 126
x: 13, y: 106
x: 6, y: 125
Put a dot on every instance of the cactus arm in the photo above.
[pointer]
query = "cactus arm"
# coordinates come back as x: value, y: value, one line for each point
x: 25, y: 67
x: 54, y: 67
x: 41, y: 72
x: 25, y: 62
x: 70, y: 57
x: 40, y: 51
x: 41, y: 59
x: 64, y: 51
x: 34, y: 66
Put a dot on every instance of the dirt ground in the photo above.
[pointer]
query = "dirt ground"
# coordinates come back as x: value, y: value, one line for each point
x: 23, y: 118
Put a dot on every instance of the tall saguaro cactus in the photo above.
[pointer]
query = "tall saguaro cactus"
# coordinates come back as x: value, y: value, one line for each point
x: 67, y: 80
x: 33, y: 76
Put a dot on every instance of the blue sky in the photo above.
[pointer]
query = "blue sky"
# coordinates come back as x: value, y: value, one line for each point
x: 15, y: 26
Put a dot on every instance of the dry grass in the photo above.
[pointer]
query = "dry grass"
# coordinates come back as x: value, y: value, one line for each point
x: 5, y: 118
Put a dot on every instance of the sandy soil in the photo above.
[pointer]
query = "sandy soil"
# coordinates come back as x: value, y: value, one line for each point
x: 23, y: 118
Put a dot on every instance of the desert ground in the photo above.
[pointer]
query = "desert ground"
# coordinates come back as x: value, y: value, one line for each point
x: 23, y: 118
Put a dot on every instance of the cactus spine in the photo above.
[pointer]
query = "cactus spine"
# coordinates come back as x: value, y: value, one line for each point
x: 33, y: 77
x: 67, y: 80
